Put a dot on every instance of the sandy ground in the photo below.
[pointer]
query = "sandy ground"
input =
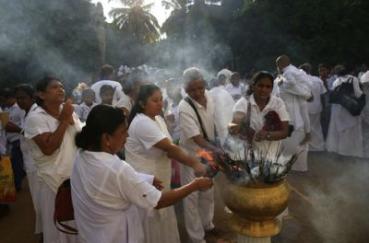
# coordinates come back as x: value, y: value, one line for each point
x: 332, y: 205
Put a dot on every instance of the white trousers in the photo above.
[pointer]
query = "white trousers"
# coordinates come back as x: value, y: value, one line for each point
x: 198, y: 209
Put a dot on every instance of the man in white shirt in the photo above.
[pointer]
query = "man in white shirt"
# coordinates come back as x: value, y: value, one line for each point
x: 106, y: 78
x: 199, y: 206
x: 295, y: 91
x: 315, y: 108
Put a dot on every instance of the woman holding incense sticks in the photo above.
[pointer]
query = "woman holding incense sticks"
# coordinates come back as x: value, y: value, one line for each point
x: 261, y: 118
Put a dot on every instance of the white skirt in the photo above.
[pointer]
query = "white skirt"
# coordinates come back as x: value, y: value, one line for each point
x: 47, y: 205
x: 34, y: 187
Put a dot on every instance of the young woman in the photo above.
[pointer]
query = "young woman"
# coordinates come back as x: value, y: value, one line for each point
x: 107, y: 191
x: 263, y: 107
x: 149, y: 149
x: 50, y: 128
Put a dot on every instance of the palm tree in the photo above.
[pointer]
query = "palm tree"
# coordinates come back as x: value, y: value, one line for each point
x: 136, y: 20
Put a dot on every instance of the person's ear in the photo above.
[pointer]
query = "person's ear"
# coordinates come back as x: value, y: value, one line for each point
x: 105, y: 140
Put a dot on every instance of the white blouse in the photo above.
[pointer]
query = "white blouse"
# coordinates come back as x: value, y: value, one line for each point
x: 257, y: 116
x: 106, y: 195
x: 55, y: 168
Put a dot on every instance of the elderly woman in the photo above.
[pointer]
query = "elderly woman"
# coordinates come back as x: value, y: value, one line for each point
x: 149, y: 149
x: 107, y: 191
x: 267, y: 115
x: 51, y: 128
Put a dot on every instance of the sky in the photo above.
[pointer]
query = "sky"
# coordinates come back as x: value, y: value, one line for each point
x: 160, y: 13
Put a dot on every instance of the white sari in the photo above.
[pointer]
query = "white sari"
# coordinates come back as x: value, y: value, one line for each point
x: 159, y: 225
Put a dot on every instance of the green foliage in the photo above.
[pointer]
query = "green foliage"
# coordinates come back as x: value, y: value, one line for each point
x: 39, y: 37
x: 137, y: 21
x: 257, y: 31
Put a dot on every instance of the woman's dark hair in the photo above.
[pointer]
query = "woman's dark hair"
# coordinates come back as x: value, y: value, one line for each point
x: 145, y: 92
x: 42, y: 85
x: 101, y: 119
x: 257, y: 77
x: 26, y: 88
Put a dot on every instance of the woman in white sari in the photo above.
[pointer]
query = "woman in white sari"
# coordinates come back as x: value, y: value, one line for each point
x: 50, y: 129
x: 345, y: 135
x: 149, y: 149
x: 106, y: 191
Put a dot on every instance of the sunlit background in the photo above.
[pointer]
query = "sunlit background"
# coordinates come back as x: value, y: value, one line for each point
x: 157, y: 9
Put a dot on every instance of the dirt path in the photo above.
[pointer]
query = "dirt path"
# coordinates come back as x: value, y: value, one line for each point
x: 331, y: 205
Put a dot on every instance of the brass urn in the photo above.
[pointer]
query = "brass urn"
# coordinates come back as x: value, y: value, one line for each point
x: 255, y: 207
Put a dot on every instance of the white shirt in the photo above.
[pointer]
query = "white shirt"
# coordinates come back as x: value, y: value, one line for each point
x: 269, y: 150
x: 257, y: 116
x: 16, y: 115
x: 105, y: 193
x: 296, y: 82
x: 118, y: 94
x: 125, y: 102
x: 189, y: 124
x: 143, y: 134
x: 365, y: 78
x: 294, y: 89
x: 82, y: 110
x: 55, y: 168
x: 317, y: 89
x: 223, y: 103
x: 29, y: 164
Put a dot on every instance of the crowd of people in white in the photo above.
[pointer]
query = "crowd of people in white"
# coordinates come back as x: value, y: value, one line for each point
x: 120, y: 142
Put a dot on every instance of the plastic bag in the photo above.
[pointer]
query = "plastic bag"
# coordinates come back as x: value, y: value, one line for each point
x: 7, y: 187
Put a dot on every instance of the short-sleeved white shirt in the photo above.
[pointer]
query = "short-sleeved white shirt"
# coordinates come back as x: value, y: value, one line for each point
x: 55, y: 168
x: 189, y: 125
x: 257, y: 116
x: 143, y: 134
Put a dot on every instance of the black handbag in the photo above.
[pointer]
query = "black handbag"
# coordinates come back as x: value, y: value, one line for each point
x: 344, y: 96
